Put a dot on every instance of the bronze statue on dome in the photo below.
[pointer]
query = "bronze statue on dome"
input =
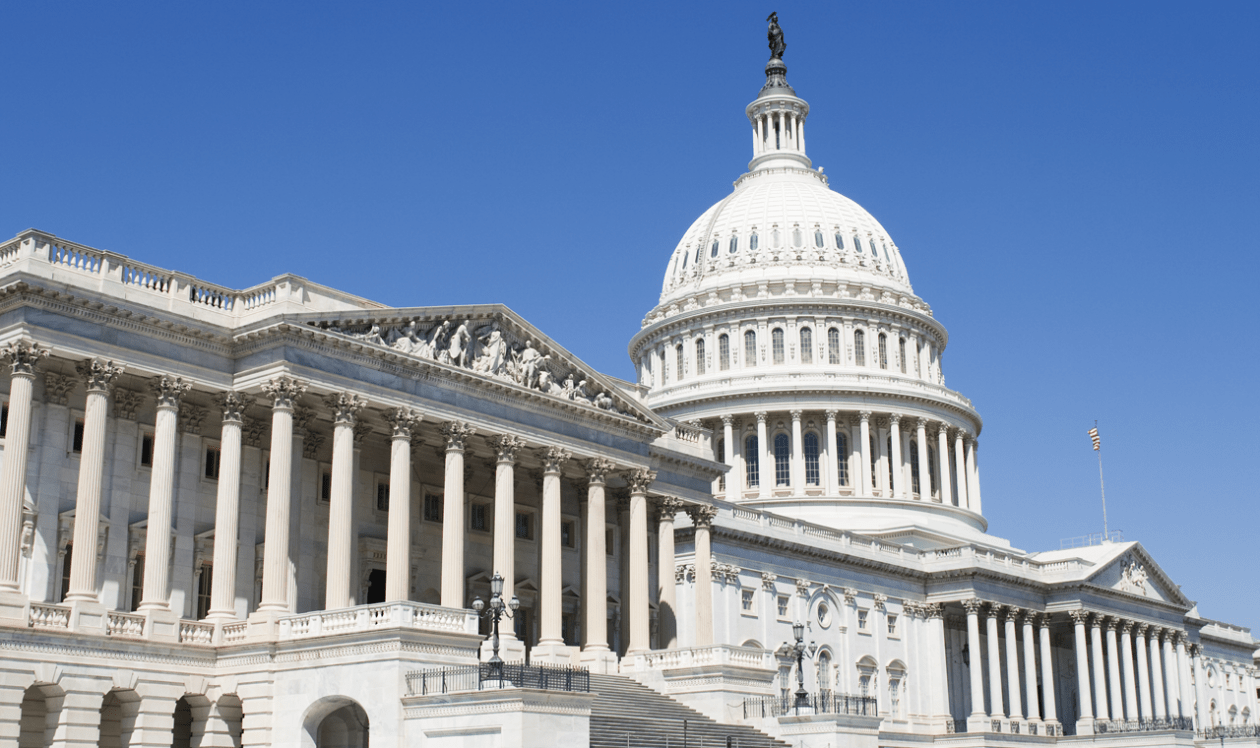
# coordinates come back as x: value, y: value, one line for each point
x: 775, y: 35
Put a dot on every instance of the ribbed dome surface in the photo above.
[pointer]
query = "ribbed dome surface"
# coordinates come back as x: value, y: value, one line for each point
x: 788, y: 210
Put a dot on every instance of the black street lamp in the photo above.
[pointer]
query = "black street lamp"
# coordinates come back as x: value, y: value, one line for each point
x: 800, y: 648
x: 495, y: 611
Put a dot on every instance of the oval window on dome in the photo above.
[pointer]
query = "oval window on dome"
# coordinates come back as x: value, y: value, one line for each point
x: 734, y: 244
x: 752, y: 242
x: 713, y: 252
x: 797, y: 239
x: 839, y: 241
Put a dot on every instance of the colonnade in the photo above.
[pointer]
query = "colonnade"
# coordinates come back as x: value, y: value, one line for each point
x: 864, y: 454
x: 282, y: 394
x: 778, y: 130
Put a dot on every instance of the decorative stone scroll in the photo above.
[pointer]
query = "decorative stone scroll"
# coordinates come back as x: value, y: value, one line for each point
x: 402, y: 422
x: 99, y: 375
x: 345, y: 407
x: 284, y: 391
x: 254, y: 432
x: 22, y: 356
x: 553, y: 459
x: 57, y: 387
x: 640, y: 480
x: 126, y: 403
x: 768, y: 578
x: 168, y: 390
x: 702, y: 515
x: 506, y: 446
x: 456, y: 433
x: 191, y: 418
x: 666, y: 508
x: 598, y: 468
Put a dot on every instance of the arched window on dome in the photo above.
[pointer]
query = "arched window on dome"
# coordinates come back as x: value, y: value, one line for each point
x: 842, y: 458
x: 833, y: 346
x: 859, y: 347
x: 818, y: 239
x: 892, y: 469
x: 914, y: 466
x: 883, y: 351
x: 797, y: 239
x: 734, y: 244
x: 699, y: 357
x: 752, y: 241
x: 724, y: 352
x: 931, y: 470
x: 680, y: 360
x: 686, y: 256
x: 750, y: 348
x: 752, y: 463
x: 874, y: 249
x: 776, y: 239
x: 782, y: 460
x: 839, y: 241
x: 810, y: 442
x: 901, y: 353
x: 886, y: 257
x: 699, y: 251
x: 776, y: 344
x: 713, y: 251
x: 857, y: 243
x: 807, y: 345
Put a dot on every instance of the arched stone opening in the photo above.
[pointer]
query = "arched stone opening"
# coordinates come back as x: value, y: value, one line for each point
x: 41, y: 707
x: 335, y: 722
x: 224, y: 727
x: 118, y: 717
x: 189, y: 725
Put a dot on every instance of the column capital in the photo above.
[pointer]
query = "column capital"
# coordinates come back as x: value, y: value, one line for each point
x: 553, y: 459
x: 233, y: 405
x: 168, y: 390
x: 864, y: 415
x: 1126, y: 627
x: 831, y: 414
x: 362, y: 430
x: 402, y: 422
x: 894, y: 419
x: 932, y: 610
x: 1031, y: 617
x: 768, y: 579
x: 702, y: 514
x: 640, y: 480
x: 1079, y: 616
x: 1043, y: 620
x: 1194, y: 650
x: 506, y: 446
x: 598, y: 468
x: 98, y: 375
x: 1156, y: 632
x: 1179, y: 637
x: 761, y: 417
x: 57, y: 387
x: 667, y: 507
x: 942, y: 429
x: 728, y: 419
x: 345, y: 407
x: 850, y: 595
x: 126, y: 402
x: 921, y: 424
x: 962, y: 433
x: 1096, y: 620
x: 1013, y: 613
x: 284, y: 391
x: 456, y: 433
x: 22, y: 356
x: 190, y: 418
x: 796, y: 415
x: 1112, y: 623
x: 973, y: 605
x: 1142, y: 628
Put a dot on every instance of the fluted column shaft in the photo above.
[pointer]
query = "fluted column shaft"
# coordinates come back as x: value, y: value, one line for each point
x: 998, y: 706
x: 942, y: 464
x: 1082, y: 665
x: 275, y: 593
x: 595, y: 596
x: 1157, y: 675
x: 1173, y: 687
x: 765, y: 467
x: 925, y: 475
x: 973, y: 477
x: 455, y: 432
x: 863, y: 452
x: 1113, y: 671
x: 833, y: 456
x: 1030, y: 670
x: 157, y: 545
x: 345, y: 408
x: 976, y: 668
x: 227, y: 508
x: 798, y: 457
x: 734, y: 481
x: 22, y: 358
x: 666, y: 594
x: 403, y: 422
x: 1012, y: 664
x: 960, y: 467
x: 1100, y: 668
x: 1201, y: 696
x: 87, y: 505
x: 1047, y: 671
x: 1126, y: 661
x: 896, y: 469
x: 702, y: 518
x: 506, y: 447
x: 640, y: 617
x: 1143, y: 672
x: 1183, y: 680
x: 551, y: 620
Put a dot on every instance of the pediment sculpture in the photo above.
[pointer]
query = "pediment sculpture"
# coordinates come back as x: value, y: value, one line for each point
x: 1132, y: 575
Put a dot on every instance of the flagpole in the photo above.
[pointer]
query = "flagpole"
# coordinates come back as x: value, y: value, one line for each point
x: 1102, y: 488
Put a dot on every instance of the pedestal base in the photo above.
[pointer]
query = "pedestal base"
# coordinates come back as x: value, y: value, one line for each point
x: 161, y: 625
x: 979, y: 723
x: 552, y: 654
x: 263, y: 625
x: 88, y: 617
x: 599, y: 661
x: 1085, y: 726
x: 510, y: 650
x: 14, y: 609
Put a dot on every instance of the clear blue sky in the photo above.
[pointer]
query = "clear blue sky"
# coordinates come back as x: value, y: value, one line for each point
x: 1074, y: 187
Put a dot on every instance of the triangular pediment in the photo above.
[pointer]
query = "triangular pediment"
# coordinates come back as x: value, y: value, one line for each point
x: 490, y: 342
x: 1131, y: 569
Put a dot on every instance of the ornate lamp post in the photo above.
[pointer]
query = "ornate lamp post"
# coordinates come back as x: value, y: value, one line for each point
x: 800, y: 648
x: 495, y: 611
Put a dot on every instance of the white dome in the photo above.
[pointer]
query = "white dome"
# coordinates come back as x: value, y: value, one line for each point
x: 798, y: 205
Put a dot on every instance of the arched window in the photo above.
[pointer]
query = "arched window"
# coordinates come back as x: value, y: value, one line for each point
x: 724, y: 352
x: 874, y: 249
x: 807, y: 345
x: 782, y: 460
x: 811, y: 459
x: 864, y: 685
x: 714, y: 249
x: 818, y: 239
x: 699, y: 357
x: 752, y: 462
x: 901, y: 353
x: 750, y: 348
x: 680, y: 360
x: 857, y: 243
x: 914, y: 466
x: 797, y: 239
x: 776, y: 344
x: 833, y: 346
x: 859, y: 347
x: 883, y: 351
x: 734, y: 244
x: 932, y: 470
x: 752, y: 241
x: 824, y: 673
x: 699, y: 249
x: 839, y: 241
x: 886, y: 257
x: 894, y: 696
x: 686, y: 255
x: 842, y: 458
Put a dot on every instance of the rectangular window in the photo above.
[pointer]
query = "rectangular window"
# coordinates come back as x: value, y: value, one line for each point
x: 783, y: 606
x: 477, y: 518
x: 568, y: 535
x: 214, y: 456
x: 883, y: 351
x: 862, y: 620
x: 525, y: 525
x: 901, y: 350
x: 700, y: 357
x: 892, y: 624
x: 325, y: 486
x: 4, y: 420
x: 776, y: 345
x: 65, y: 572
x: 433, y: 507
x: 750, y: 348
x: 833, y: 346
x: 76, y: 443
x: 382, y: 496
x: 724, y: 352
x: 205, y: 583
x: 146, y: 449
x: 746, y: 600
x: 752, y: 463
x: 137, y: 582
x: 610, y: 539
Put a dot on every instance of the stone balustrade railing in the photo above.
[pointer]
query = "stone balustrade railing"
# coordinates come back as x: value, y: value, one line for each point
x: 124, y: 624
x: 235, y: 632
x: 718, y: 654
x: 44, y: 616
x: 196, y: 632
x: 367, y: 617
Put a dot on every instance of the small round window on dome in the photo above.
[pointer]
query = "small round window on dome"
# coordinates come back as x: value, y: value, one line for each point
x: 713, y: 252
x: 734, y: 244
x: 818, y: 239
x: 839, y: 241
x: 797, y: 239
x: 752, y: 242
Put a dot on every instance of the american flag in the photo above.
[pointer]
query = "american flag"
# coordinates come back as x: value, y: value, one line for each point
x: 1093, y: 435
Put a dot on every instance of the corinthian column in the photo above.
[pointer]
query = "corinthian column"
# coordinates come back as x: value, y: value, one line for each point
x: 639, y: 481
x: 832, y: 463
x: 283, y: 392
x: 973, y: 476
x: 1100, y: 666
x: 227, y: 506
x: 1183, y: 678
x: 1012, y: 662
x: 942, y: 463
x: 1085, y: 720
x: 98, y: 376
x: 1143, y: 671
x: 976, y: 668
x: 864, y: 455
x: 157, y: 546
x: 666, y: 593
x: 797, y: 472
x: 765, y: 467
x: 1173, y: 690
x: 702, y: 517
x: 403, y: 422
x: 595, y: 596
x: 1113, y: 670
x: 456, y: 433
x: 1157, y: 674
x: 998, y: 707
x: 345, y: 407
x: 734, y: 481
x: 1126, y: 662
x: 505, y: 447
x: 1047, y: 671
x: 551, y: 623
x: 22, y: 358
x: 1030, y: 667
x: 897, y: 488
x: 925, y: 475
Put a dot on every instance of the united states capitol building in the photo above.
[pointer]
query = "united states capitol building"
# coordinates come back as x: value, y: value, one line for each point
x: 275, y: 516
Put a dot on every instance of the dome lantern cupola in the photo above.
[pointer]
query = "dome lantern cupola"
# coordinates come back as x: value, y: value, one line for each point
x: 778, y: 120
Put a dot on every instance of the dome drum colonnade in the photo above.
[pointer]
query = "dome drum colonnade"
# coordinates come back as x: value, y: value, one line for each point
x: 288, y: 422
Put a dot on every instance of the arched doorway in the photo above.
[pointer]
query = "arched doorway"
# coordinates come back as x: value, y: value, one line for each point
x: 118, y: 718
x: 336, y: 722
x: 41, y: 706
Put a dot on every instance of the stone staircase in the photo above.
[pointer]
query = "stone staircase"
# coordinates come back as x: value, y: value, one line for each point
x: 656, y: 721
